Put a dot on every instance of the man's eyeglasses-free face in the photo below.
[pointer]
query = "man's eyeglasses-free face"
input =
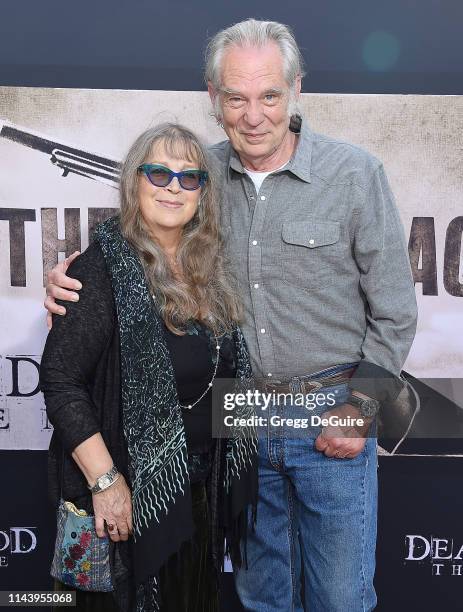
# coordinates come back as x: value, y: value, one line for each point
x: 160, y: 176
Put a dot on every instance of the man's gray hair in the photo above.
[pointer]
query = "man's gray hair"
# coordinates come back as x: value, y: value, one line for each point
x: 254, y: 33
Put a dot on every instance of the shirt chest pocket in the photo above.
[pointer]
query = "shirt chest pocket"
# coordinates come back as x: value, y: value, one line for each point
x: 310, y: 252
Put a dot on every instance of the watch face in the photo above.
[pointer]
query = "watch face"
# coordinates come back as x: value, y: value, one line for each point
x: 104, y: 481
x: 369, y: 408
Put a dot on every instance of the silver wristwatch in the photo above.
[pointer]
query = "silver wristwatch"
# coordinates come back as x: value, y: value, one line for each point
x: 368, y: 408
x: 105, y: 480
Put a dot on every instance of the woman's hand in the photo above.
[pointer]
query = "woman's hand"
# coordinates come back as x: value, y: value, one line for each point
x: 114, y: 505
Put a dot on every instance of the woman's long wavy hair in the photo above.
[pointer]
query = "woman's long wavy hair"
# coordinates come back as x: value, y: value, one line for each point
x: 204, y: 292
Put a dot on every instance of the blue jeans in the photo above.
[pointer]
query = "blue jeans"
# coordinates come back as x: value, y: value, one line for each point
x: 316, y: 523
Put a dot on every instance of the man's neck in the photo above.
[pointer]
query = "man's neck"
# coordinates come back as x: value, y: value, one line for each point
x: 276, y: 159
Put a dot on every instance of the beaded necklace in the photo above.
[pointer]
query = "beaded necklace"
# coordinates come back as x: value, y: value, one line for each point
x: 217, y: 348
x: 214, y: 374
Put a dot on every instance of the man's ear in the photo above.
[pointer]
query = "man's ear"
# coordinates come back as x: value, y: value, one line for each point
x: 212, y: 91
x: 297, y: 86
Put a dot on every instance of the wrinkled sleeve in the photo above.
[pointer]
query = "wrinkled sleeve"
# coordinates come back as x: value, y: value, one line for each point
x: 73, y: 350
x: 381, y: 254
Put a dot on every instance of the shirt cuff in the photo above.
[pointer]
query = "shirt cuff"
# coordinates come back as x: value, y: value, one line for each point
x: 376, y: 382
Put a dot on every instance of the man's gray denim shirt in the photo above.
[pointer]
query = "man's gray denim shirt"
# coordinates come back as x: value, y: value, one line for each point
x: 320, y: 262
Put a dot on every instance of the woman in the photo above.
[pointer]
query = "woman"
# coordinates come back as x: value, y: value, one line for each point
x: 127, y: 378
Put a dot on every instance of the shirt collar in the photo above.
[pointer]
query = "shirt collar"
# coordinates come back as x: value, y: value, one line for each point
x: 300, y: 162
x: 235, y: 162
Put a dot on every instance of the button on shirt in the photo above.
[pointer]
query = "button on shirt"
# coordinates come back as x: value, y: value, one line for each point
x: 320, y: 260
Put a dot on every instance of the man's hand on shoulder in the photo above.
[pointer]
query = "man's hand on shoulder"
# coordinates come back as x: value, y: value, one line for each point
x: 61, y: 287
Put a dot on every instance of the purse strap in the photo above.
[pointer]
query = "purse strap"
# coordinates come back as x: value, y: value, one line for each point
x: 61, y: 484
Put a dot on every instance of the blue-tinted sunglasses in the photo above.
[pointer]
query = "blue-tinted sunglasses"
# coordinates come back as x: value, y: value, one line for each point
x: 160, y: 176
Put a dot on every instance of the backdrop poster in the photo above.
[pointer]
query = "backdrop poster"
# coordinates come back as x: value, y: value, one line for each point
x: 59, y: 150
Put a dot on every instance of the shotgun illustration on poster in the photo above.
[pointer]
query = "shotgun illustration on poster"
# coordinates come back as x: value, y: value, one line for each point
x: 67, y: 158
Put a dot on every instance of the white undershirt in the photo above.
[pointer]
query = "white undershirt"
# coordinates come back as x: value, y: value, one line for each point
x: 258, y: 177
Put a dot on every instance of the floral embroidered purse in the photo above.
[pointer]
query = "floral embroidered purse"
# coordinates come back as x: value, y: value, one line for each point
x: 81, y: 558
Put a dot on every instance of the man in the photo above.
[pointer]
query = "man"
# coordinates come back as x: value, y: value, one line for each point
x: 317, y: 247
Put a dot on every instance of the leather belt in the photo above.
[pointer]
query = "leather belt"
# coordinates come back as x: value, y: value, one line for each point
x: 299, y: 384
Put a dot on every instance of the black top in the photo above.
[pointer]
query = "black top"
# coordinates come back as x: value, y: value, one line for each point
x: 193, y: 358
